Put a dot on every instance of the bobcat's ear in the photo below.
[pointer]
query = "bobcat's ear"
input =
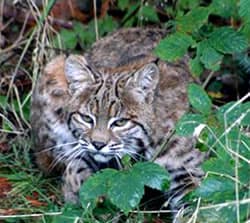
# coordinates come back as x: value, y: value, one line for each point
x: 144, y: 82
x: 78, y: 73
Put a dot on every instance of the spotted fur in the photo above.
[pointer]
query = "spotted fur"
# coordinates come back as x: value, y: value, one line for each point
x: 119, y: 98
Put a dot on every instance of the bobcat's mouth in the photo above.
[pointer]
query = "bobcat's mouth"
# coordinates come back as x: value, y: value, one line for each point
x: 101, y: 157
x: 102, y: 153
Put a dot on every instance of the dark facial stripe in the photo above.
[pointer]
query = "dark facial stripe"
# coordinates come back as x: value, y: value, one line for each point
x: 143, y: 129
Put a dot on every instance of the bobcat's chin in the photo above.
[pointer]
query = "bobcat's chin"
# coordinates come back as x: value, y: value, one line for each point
x: 102, y: 158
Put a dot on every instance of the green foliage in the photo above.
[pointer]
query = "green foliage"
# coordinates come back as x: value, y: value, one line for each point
x: 210, y: 43
x: 244, y: 9
x: 228, y: 179
x: 224, y: 8
x: 148, y: 13
x: 213, y: 33
x: 84, y: 35
x: 195, y: 66
x: 188, y: 122
x: 199, y: 99
x: 123, y: 188
x: 224, y: 133
x: 193, y: 20
x: 209, y: 56
x: 234, y: 112
x: 227, y: 40
x: 174, y: 46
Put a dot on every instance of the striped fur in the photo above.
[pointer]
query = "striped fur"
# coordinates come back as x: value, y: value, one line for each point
x: 89, y: 111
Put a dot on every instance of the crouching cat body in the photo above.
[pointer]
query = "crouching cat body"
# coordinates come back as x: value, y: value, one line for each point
x: 118, y: 98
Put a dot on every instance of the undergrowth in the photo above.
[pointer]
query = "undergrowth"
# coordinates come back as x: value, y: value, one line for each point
x: 216, y: 36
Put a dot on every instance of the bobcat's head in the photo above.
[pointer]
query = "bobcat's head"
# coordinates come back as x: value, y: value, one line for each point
x: 111, y: 115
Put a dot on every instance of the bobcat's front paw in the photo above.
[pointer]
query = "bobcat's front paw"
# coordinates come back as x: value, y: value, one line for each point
x: 75, y: 174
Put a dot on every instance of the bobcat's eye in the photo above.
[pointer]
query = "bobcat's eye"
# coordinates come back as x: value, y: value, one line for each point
x: 87, y: 118
x: 120, y: 122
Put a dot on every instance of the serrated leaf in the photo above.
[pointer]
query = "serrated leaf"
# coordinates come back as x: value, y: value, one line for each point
x: 106, y: 25
x: 231, y: 113
x: 224, y: 8
x: 174, y: 46
x: 69, y: 38
x: 123, y: 196
x: 69, y: 214
x: 226, y: 214
x: 227, y: 40
x: 193, y: 20
x: 195, y: 66
x: 213, y: 187
x: 209, y: 56
x: 152, y: 175
x: 95, y: 186
x: 149, y: 13
x: 244, y: 146
x: 244, y: 9
x: 219, y: 165
x: 246, y: 30
x: 123, y: 188
x: 141, y: 174
x: 123, y: 4
x: 187, y: 124
x: 199, y: 99
x: 187, y: 4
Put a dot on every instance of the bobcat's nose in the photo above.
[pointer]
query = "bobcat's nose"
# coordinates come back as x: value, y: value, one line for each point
x: 98, y: 145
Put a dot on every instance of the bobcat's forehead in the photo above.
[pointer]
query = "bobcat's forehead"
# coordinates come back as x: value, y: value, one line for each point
x: 109, y: 98
x: 105, y: 101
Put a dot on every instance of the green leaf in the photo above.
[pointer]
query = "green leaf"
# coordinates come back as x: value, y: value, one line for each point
x: 195, y: 66
x: 96, y: 185
x: 149, y: 13
x: 146, y: 173
x: 244, y: 146
x: 244, y: 9
x: 187, y: 4
x: 209, y: 56
x: 219, y: 164
x: 226, y: 214
x: 126, y: 190
x: 123, y: 188
x: 69, y: 214
x: 123, y: 4
x: 152, y: 175
x: 193, y: 20
x: 106, y: 25
x: 232, y: 112
x: 224, y: 8
x: 212, y: 188
x: 187, y: 124
x: 129, y: 19
x: 246, y: 30
x: 68, y: 38
x: 227, y: 40
x: 199, y: 99
x: 174, y: 46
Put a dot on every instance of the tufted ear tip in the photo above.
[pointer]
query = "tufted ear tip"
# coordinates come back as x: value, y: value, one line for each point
x: 147, y: 77
x: 73, y: 64
x: 78, y: 73
x: 75, y: 59
x: 143, y: 83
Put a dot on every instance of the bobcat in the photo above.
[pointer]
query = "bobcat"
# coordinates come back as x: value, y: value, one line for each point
x: 90, y: 110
